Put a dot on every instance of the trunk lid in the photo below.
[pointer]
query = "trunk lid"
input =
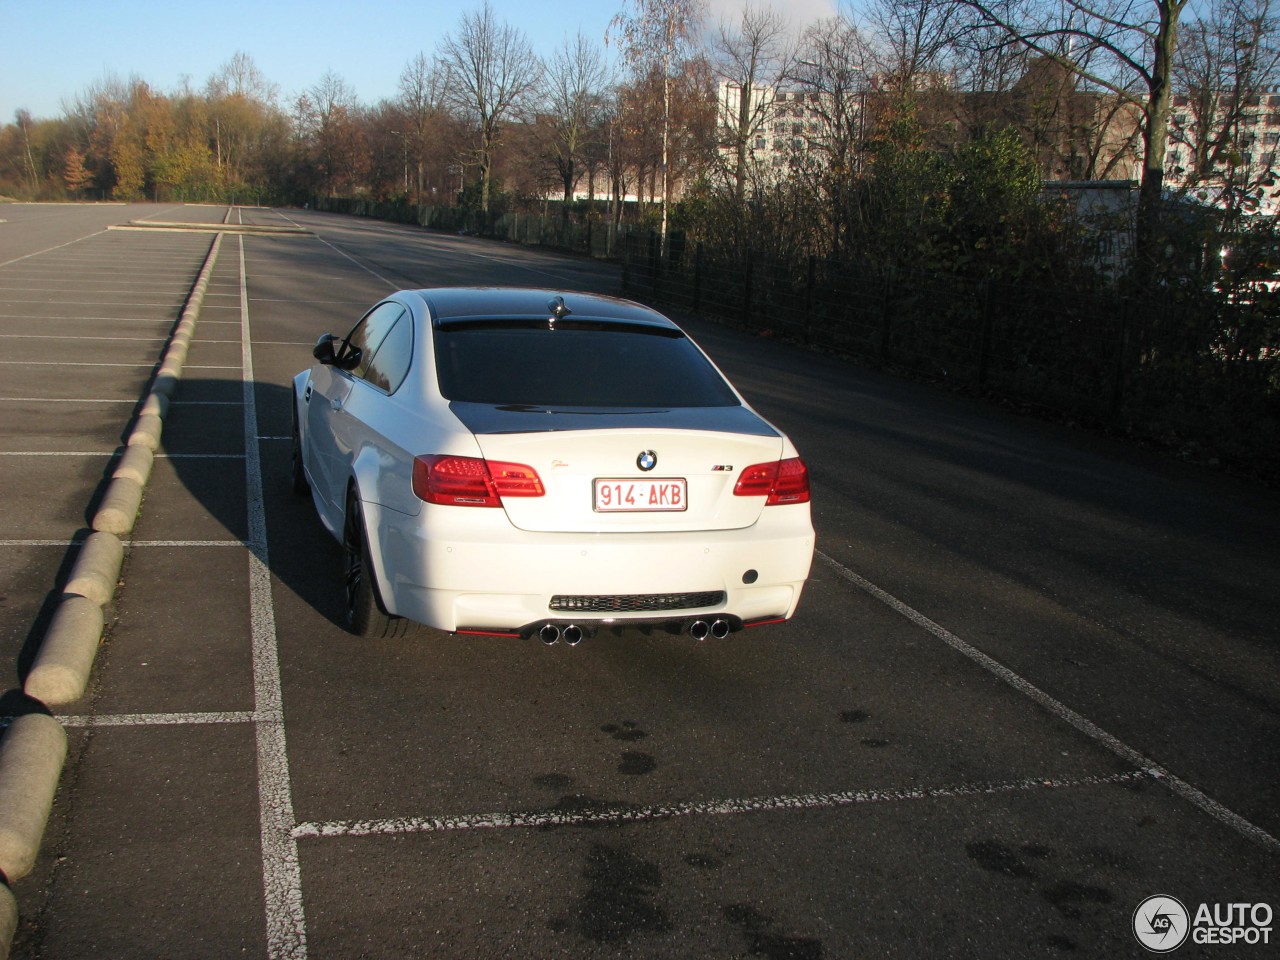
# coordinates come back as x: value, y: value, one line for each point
x: 590, y: 465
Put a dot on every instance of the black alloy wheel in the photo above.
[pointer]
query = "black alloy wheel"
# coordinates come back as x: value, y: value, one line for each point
x: 363, y: 612
x: 300, y: 485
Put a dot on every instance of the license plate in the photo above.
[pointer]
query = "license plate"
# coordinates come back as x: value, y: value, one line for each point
x: 637, y: 496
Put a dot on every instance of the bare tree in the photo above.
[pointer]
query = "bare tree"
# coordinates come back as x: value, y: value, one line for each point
x: 655, y: 35
x: 492, y: 74
x: 834, y: 71
x: 1227, y: 62
x: 916, y: 36
x: 1130, y: 46
x: 240, y: 77
x: 422, y: 103
x: 576, y: 80
x: 23, y: 119
x: 752, y: 56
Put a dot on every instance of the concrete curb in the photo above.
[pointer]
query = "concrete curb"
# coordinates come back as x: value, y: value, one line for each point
x: 8, y: 921
x: 147, y: 431
x: 61, y: 670
x: 157, y: 405
x: 135, y: 464
x: 119, y: 509
x: 246, y: 228
x: 97, y: 569
x: 32, y: 752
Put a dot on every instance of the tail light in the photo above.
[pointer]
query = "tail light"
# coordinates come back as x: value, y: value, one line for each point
x: 472, y: 482
x: 782, y: 481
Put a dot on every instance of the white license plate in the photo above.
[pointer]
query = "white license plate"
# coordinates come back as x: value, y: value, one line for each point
x: 634, y: 496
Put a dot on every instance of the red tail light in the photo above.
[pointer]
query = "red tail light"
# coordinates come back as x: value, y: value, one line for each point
x: 472, y: 482
x: 782, y: 481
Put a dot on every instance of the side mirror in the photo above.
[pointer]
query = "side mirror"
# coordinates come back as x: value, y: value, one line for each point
x: 348, y: 358
x: 345, y: 357
x: 323, y: 350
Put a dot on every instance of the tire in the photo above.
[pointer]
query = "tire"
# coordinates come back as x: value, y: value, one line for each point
x: 363, y: 613
x: 300, y: 485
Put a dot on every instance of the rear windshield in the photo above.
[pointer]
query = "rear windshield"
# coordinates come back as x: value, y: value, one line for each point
x: 584, y: 367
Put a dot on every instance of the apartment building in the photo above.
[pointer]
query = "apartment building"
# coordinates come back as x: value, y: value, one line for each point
x: 1224, y: 149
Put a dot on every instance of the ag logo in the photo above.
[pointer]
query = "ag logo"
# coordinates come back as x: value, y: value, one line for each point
x: 1161, y: 924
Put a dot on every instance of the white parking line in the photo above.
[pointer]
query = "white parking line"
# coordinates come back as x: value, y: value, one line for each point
x: 51, y: 336
x: 112, y: 453
x: 1060, y: 710
x: 132, y: 403
x: 610, y: 814
x: 281, y: 873
x: 132, y: 543
x: 68, y: 363
x: 155, y: 719
x: 81, y: 319
x: 50, y: 249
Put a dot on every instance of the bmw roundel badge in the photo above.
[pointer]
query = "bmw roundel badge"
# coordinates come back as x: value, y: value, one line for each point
x: 647, y: 460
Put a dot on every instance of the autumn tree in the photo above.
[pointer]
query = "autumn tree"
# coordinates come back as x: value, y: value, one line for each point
x: 243, y: 118
x: 74, y: 174
x: 328, y: 125
x: 492, y: 73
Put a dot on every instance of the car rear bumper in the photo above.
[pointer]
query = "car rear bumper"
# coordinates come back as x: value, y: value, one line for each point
x: 491, y: 577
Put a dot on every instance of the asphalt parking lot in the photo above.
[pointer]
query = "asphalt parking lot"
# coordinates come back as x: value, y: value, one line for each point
x: 1034, y: 679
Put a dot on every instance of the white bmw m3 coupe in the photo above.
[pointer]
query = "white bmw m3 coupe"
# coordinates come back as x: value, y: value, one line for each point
x: 528, y: 463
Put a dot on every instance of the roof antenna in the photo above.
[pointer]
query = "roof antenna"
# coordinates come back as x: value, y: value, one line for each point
x: 558, y: 311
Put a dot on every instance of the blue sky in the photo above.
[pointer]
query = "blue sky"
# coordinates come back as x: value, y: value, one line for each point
x: 53, y: 50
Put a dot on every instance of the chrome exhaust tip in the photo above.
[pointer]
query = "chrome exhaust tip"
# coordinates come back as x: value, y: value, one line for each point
x: 699, y: 629
x: 720, y: 629
x: 549, y: 634
x: 572, y: 634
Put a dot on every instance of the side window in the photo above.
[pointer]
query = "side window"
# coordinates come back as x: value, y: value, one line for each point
x: 369, y: 333
x: 390, y: 364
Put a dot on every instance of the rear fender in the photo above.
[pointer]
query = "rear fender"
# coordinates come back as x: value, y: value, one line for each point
x: 376, y: 521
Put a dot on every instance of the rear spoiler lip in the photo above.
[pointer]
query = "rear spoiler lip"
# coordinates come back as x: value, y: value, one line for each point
x: 489, y: 419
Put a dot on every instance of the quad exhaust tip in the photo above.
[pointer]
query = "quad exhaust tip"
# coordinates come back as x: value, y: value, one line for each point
x: 700, y: 629
x: 572, y: 634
